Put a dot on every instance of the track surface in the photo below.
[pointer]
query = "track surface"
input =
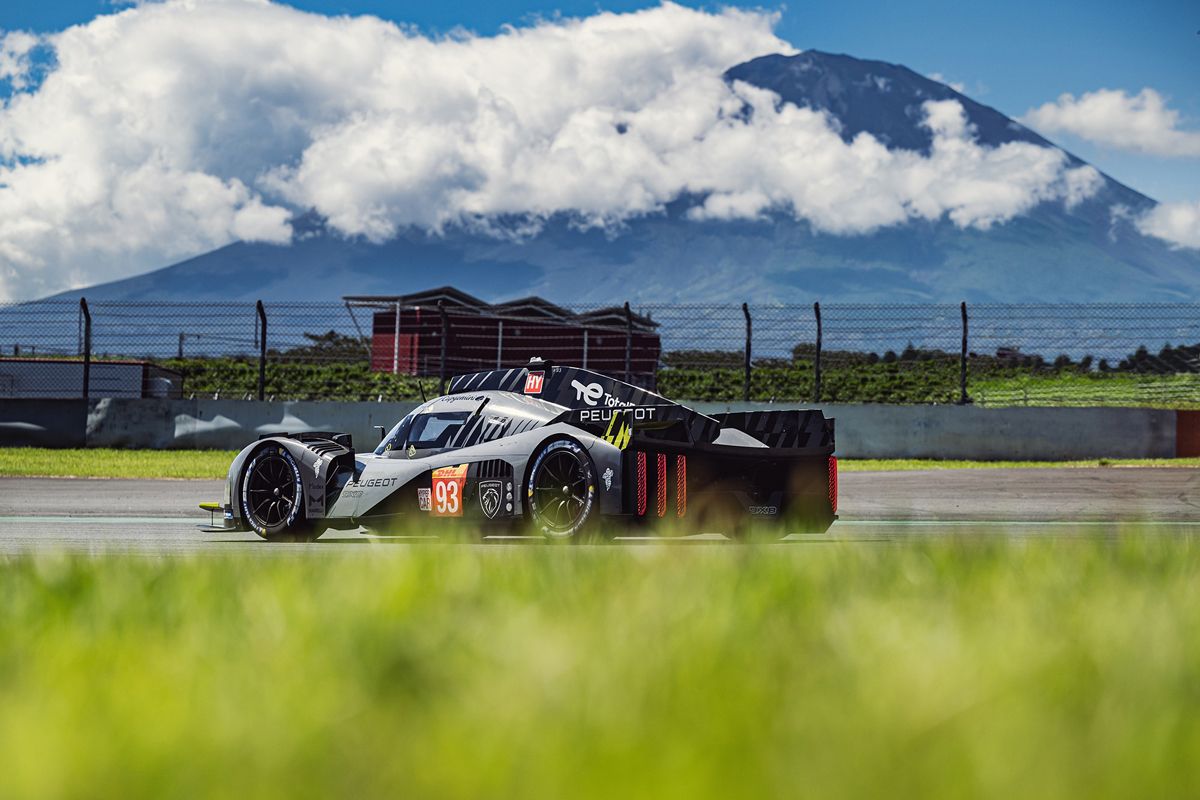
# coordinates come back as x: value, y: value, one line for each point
x: 162, y: 516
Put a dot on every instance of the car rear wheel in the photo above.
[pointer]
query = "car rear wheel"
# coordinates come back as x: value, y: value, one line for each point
x: 273, y: 497
x: 561, y: 490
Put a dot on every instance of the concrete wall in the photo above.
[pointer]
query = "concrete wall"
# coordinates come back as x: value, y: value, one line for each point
x: 863, y: 431
x: 43, y: 423
x: 230, y: 424
x: 993, y: 434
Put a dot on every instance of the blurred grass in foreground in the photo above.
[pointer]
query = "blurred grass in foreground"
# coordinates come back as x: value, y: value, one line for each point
x: 213, y: 464
x: 989, y: 667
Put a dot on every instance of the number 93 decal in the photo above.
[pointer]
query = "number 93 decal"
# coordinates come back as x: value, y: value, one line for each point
x: 448, y: 485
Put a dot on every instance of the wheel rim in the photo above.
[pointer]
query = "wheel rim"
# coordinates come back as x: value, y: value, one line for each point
x: 560, y: 492
x: 271, y: 490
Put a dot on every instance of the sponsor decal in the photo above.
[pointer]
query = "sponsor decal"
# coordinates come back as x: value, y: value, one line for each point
x: 589, y: 393
x: 639, y: 414
x: 424, y: 499
x: 370, y: 483
x: 412, y: 451
x: 448, y: 490
x: 761, y: 508
x: 534, y: 381
x: 592, y: 393
x: 607, y: 476
x: 317, y: 469
x: 489, y: 498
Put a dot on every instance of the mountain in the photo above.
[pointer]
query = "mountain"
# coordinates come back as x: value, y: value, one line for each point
x: 1085, y: 254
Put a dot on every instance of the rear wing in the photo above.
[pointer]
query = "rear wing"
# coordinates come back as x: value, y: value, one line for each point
x: 806, y: 430
x: 570, y: 387
x: 593, y: 400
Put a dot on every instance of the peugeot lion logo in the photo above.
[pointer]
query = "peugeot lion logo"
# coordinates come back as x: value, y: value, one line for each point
x: 489, y: 498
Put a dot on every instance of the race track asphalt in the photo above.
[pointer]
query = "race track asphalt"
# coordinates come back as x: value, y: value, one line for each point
x: 156, y: 516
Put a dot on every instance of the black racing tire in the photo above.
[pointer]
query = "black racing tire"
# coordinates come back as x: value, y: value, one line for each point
x: 560, y: 491
x: 271, y: 493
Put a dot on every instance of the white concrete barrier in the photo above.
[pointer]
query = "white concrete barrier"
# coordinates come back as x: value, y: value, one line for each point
x: 994, y: 434
x: 231, y: 424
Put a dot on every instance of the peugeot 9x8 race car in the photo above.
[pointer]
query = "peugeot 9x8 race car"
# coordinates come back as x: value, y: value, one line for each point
x: 560, y: 449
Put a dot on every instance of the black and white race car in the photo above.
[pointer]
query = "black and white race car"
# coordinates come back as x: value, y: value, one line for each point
x: 561, y: 449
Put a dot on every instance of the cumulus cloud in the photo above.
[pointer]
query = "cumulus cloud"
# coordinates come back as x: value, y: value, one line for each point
x: 15, y: 48
x: 171, y: 128
x: 855, y: 188
x: 1142, y: 122
x: 957, y: 86
x: 1178, y: 223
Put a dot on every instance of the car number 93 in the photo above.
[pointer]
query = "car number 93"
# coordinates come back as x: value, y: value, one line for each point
x: 448, y: 491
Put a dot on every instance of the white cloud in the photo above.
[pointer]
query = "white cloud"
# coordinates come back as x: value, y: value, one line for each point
x: 855, y: 188
x: 168, y: 129
x: 1178, y: 223
x: 1142, y: 122
x: 15, y: 48
x: 957, y: 86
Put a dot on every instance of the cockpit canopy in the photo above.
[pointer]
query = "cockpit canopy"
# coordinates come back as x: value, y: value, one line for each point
x: 455, y: 421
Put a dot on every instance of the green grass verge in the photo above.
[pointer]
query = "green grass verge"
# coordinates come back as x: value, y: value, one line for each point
x: 1067, y: 388
x: 991, y: 668
x: 105, y: 463
x: 213, y: 464
x: 907, y: 464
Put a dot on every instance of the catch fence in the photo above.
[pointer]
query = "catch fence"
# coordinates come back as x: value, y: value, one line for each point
x: 985, y: 354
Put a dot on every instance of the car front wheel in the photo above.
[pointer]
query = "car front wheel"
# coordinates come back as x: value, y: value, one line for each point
x: 273, y: 497
x: 561, y: 490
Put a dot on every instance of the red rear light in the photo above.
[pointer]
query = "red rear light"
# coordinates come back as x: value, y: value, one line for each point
x: 833, y: 489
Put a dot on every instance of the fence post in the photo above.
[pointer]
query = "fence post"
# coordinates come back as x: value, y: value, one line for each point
x: 87, y: 346
x: 499, y: 343
x: 746, y: 377
x: 962, y: 360
x: 442, y: 357
x: 817, y: 360
x: 395, y: 341
x: 262, y: 350
x: 628, y: 344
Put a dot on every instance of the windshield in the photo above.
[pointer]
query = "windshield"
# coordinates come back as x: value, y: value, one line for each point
x: 423, y: 433
x: 396, y: 436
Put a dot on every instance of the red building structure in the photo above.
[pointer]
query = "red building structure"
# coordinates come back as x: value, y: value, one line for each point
x: 407, y: 335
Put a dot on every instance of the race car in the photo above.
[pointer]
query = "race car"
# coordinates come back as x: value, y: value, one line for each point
x: 562, y: 450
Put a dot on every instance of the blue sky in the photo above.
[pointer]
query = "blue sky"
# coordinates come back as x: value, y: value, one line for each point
x: 1013, y: 55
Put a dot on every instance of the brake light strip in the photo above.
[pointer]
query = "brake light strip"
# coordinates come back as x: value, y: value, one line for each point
x: 662, y: 484
x: 680, y: 485
x: 641, y: 484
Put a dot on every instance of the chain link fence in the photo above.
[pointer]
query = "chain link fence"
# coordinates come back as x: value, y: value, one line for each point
x: 382, y: 349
